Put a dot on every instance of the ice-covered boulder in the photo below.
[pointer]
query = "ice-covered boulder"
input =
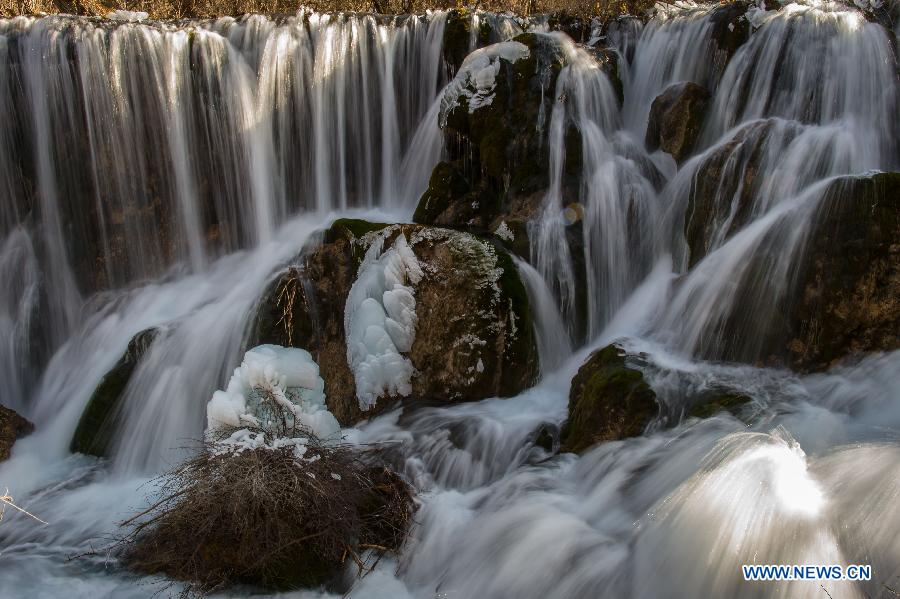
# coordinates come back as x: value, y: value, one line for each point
x: 404, y: 312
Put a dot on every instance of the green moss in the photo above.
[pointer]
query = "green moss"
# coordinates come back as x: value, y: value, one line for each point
x: 608, y: 401
x: 520, y: 353
x: 350, y: 229
x: 446, y: 187
x: 96, y: 427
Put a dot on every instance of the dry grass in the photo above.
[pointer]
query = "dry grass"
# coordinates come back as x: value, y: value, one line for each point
x: 264, y: 517
x: 176, y: 9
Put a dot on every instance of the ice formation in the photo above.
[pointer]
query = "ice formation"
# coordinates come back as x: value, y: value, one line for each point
x: 274, y: 389
x: 504, y: 232
x: 128, y: 16
x: 380, y: 321
x: 476, y: 78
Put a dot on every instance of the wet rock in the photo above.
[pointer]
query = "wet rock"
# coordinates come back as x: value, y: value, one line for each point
x: 576, y: 27
x: 608, y: 401
x: 474, y: 335
x: 608, y: 59
x: 497, y: 167
x: 12, y: 427
x: 723, y: 190
x: 712, y: 403
x: 96, y: 427
x: 460, y: 32
x: 676, y: 117
x: 847, y: 297
x: 730, y: 31
x: 841, y: 299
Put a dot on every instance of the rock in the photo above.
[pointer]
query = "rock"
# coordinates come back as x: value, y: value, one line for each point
x: 474, y: 336
x: 95, y: 428
x: 497, y: 167
x: 676, y: 117
x: 576, y: 27
x: 717, y: 401
x: 847, y: 298
x: 608, y: 401
x: 12, y: 427
x: 459, y: 36
x: 723, y: 189
x: 731, y: 30
x: 842, y: 295
x: 608, y: 59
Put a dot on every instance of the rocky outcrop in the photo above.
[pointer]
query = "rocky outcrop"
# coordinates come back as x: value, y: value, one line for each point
x: 474, y: 336
x: 847, y: 297
x: 841, y: 297
x: 95, y: 428
x: 723, y: 189
x: 730, y: 29
x: 495, y: 119
x: 676, y: 117
x: 460, y: 34
x: 12, y: 427
x: 608, y: 401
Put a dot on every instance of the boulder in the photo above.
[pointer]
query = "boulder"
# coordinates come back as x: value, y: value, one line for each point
x: 842, y: 296
x: 730, y: 30
x: 460, y: 33
x: 474, y: 337
x: 723, y: 189
x: 676, y: 117
x: 847, y: 296
x: 12, y: 427
x: 95, y: 428
x: 608, y: 401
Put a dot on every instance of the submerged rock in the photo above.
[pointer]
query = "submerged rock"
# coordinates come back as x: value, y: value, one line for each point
x: 676, y: 117
x: 96, y: 428
x: 721, y: 400
x: 12, y: 428
x: 608, y: 401
x: 474, y: 337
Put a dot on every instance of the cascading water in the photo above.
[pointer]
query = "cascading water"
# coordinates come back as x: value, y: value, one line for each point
x: 156, y: 175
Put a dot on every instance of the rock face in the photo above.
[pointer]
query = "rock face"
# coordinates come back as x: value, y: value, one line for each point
x: 460, y: 32
x: 474, y: 337
x: 847, y: 299
x: 95, y: 431
x: 608, y: 401
x: 12, y: 427
x: 676, y: 117
x: 730, y: 30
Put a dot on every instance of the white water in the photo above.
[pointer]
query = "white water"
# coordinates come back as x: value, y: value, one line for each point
x: 287, y: 118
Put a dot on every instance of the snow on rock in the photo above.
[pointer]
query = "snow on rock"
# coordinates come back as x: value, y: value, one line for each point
x: 275, y: 389
x: 476, y: 78
x: 380, y: 321
x: 504, y: 232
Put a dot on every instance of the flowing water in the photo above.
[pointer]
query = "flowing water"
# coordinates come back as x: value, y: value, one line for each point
x: 159, y: 174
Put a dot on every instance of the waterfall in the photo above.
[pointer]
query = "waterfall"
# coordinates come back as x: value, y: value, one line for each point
x: 159, y: 174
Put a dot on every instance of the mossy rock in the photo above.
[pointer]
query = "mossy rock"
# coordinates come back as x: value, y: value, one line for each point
x: 96, y: 427
x: 608, y: 401
x: 713, y: 403
x: 12, y: 427
x: 474, y: 337
x: 458, y: 34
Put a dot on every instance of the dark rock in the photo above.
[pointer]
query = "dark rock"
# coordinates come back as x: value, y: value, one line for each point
x: 723, y: 189
x: 96, y: 428
x: 474, y: 336
x: 608, y: 59
x: 730, y: 31
x: 676, y: 118
x: 847, y: 298
x: 458, y: 37
x: 576, y: 27
x: 712, y: 403
x: 608, y: 401
x: 547, y: 438
x: 12, y: 427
